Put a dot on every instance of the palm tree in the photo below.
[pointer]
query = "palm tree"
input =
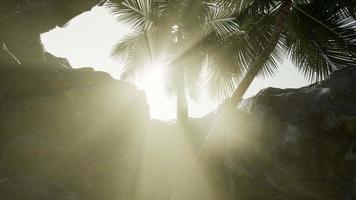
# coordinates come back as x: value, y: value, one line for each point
x: 193, y: 31
x: 317, y: 43
x: 318, y: 36
x: 189, y: 35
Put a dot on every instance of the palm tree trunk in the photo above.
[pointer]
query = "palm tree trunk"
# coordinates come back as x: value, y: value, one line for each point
x: 213, y: 160
x: 182, y: 104
x: 280, y: 26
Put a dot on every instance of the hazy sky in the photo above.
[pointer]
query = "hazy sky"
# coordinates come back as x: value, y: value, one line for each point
x: 87, y: 42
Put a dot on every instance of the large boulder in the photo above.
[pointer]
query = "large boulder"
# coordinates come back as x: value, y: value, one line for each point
x: 313, y: 125
x: 78, y: 127
x: 306, y: 142
x: 287, y: 143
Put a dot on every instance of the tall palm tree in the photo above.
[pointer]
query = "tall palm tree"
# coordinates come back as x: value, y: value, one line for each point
x: 189, y: 35
x: 318, y: 36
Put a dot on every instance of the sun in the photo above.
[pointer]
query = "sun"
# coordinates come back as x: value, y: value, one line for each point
x: 88, y: 39
x: 153, y: 82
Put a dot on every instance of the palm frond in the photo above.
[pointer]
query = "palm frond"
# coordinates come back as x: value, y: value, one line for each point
x: 138, y: 15
x: 220, y: 18
x: 134, y: 52
x: 310, y: 60
x: 333, y: 6
x: 350, y: 5
x: 270, y: 67
x: 321, y: 43
x: 253, y: 7
x: 221, y: 83
x: 249, y: 45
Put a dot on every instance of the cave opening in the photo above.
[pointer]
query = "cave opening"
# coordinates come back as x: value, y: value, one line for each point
x: 88, y: 39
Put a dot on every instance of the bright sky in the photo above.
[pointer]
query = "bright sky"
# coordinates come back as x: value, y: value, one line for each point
x: 88, y: 39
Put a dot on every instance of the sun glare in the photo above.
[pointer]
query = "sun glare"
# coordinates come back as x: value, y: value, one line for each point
x: 88, y: 40
x: 153, y: 82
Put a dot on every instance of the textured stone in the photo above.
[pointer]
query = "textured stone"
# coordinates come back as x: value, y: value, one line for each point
x: 22, y: 22
x: 29, y: 188
x: 288, y: 143
x: 77, y: 127
x: 307, y: 140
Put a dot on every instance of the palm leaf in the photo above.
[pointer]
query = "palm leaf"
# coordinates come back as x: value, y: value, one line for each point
x: 220, y: 18
x: 321, y: 43
x: 136, y: 14
x: 221, y: 82
x: 134, y: 52
x: 250, y: 44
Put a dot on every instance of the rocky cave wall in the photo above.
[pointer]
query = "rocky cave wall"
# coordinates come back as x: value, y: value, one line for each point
x: 22, y: 22
x: 69, y: 128
x: 292, y: 143
x: 75, y: 133
x: 62, y: 129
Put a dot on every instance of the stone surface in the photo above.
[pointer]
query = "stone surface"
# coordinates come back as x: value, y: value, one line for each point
x: 77, y: 127
x: 306, y: 143
x: 286, y: 143
x: 29, y: 188
x: 22, y: 22
x: 83, y: 131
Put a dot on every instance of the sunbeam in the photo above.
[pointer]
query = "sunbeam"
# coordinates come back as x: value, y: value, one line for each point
x: 177, y: 99
x: 88, y: 39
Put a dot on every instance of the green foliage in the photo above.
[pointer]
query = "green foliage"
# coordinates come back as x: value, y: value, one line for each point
x: 321, y: 43
x: 205, y: 27
x: 319, y: 39
x: 227, y: 36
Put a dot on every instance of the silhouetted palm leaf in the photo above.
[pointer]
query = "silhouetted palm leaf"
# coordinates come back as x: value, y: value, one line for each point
x: 219, y: 18
x: 138, y: 15
x: 317, y: 43
x: 321, y: 43
x: 221, y: 81
x: 316, y: 50
x: 205, y: 26
x: 135, y: 52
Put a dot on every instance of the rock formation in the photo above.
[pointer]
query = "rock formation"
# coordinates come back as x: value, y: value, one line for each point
x: 72, y: 127
x: 296, y: 143
x: 22, y: 22
x: 78, y: 134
